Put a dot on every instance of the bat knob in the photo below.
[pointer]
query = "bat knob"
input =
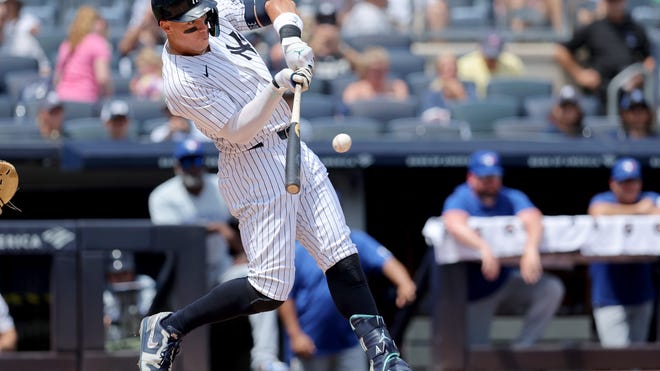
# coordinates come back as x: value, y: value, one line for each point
x: 293, y: 189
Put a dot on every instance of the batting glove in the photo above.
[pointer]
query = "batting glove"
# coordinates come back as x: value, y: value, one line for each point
x: 286, y: 78
x: 297, y: 53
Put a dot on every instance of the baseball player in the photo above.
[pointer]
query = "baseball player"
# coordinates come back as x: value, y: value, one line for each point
x: 214, y: 77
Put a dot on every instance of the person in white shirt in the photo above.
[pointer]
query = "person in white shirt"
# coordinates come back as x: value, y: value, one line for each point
x: 192, y: 197
x: 8, y: 335
x: 18, y: 34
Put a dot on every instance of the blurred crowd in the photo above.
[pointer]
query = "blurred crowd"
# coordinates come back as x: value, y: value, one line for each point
x: 62, y: 69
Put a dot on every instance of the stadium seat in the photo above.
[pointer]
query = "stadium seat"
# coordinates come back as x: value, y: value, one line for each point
x: 391, y: 41
x: 413, y: 128
x: 74, y: 110
x: 141, y: 109
x: 91, y: 128
x: 384, y: 109
x: 519, y: 88
x: 11, y: 133
x: 482, y: 113
x: 540, y: 106
x: 404, y: 62
x: 325, y: 128
x: 10, y: 65
x: 6, y: 106
x: 603, y: 127
x: 17, y: 81
x: 524, y: 128
x: 317, y: 105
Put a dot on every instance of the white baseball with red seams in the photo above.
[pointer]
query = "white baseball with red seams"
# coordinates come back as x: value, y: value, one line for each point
x: 342, y: 142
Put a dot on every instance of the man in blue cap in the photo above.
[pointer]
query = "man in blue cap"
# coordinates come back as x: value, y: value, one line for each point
x: 622, y: 294
x: 492, y: 287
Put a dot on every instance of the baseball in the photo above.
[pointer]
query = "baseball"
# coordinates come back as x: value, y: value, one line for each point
x: 342, y: 142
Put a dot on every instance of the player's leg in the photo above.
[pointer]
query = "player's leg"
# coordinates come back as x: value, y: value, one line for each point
x: 639, y: 316
x: 162, y: 333
x: 268, y: 244
x: 322, y: 230
x: 539, y: 300
x: 611, y: 325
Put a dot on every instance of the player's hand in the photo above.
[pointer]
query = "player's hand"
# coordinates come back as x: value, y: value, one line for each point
x: 303, y: 76
x: 288, y: 79
x: 297, y: 53
x: 490, y: 266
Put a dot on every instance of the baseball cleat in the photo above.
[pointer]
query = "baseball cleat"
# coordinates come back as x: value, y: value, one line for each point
x: 158, y: 345
x: 377, y: 343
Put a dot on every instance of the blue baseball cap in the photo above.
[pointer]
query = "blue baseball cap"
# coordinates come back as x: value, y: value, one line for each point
x: 626, y: 168
x: 485, y: 163
x: 188, y: 148
x: 632, y: 99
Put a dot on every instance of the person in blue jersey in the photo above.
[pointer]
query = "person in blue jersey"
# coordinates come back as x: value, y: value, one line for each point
x: 491, y: 286
x: 622, y: 294
x: 316, y: 336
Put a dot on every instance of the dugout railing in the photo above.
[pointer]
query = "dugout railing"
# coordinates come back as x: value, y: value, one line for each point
x: 77, y: 279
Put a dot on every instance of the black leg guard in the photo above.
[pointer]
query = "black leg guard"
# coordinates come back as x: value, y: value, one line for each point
x: 377, y: 343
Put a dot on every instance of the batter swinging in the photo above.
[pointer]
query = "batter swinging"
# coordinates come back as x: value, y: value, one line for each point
x: 214, y: 77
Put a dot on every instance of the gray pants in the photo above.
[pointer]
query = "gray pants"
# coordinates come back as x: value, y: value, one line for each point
x: 538, y: 302
x: 620, y: 325
x: 351, y: 359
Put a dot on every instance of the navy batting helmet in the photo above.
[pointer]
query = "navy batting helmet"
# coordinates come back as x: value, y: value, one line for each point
x: 181, y: 10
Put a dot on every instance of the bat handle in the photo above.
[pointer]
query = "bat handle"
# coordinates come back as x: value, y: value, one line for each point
x: 292, y: 168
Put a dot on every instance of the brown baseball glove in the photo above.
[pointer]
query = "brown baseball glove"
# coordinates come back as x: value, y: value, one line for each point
x: 8, y: 184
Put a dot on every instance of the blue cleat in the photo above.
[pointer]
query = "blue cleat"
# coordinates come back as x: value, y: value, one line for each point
x: 377, y: 343
x: 158, y: 345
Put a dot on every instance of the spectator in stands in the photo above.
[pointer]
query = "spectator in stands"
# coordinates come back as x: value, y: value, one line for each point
x: 445, y: 90
x: 8, y: 334
x: 175, y: 128
x: 488, y: 61
x: 622, y: 294
x: 82, y: 70
x: 192, y: 197
x: 142, y: 31
x: 436, y: 15
x: 523, y: 14
x: 566, y: 115
x: 318, y: 337
x: 18, y: 31
x: 147, y: 83
x: 115, y: 115
x: 490, y: 285
x: 332, y: 57
x: 264, y: 353
x: 368, y: 17
x: 127, y: 297
x: 50, y: 116
x: 636, y: 116
x: 611, y: 44
x: 374, y: 81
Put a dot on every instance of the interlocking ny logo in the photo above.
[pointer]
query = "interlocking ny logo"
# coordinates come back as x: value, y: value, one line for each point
x: 243, y: 46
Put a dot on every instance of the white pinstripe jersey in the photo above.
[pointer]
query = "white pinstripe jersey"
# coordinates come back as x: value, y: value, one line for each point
x: 210, y: 88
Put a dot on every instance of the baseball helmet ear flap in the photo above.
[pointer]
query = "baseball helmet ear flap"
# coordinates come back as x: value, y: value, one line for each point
x: 213, y: 22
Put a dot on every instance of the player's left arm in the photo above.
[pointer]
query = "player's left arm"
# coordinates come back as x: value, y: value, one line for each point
x: 530, y: 261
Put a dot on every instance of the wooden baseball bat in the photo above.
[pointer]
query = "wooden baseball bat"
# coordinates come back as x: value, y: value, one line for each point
x: 292, y: 167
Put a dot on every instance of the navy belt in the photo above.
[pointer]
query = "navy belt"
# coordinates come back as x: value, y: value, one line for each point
x: 283, y: 134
